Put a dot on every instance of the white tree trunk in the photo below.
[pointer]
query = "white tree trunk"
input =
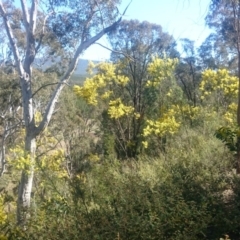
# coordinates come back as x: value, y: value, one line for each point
x: 26, y: 182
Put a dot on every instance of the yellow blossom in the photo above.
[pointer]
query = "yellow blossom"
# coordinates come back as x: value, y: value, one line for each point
x: 160, y: 69
x: 145, y: 144
x: 219, y: 80
x: 117, y: 109
x: 166, y: 124
x: 106, y: 95
x: 137, y: 115
x: 93, y: 158
x: 3, y: 215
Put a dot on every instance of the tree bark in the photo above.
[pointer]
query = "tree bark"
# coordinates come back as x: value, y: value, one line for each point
x: 26, y: 182
x: 238, y: 118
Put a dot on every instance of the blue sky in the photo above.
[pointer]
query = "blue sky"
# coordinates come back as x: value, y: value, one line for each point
x: 180, y: 18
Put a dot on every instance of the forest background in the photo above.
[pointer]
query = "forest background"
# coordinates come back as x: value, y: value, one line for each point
x: 145, y: 145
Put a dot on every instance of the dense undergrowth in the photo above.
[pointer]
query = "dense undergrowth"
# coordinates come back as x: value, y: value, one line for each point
x: 190, y: 191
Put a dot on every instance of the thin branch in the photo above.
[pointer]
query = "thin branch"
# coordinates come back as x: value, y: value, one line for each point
x: 87, y: 23
x: 45, y: 85
x: 33, y: 15
x: 43, y: 31
x: 115, y: 51
x: 126, y: 8
x: 100, y: 13
x: 25, y: 14
x: 14, y: 126
x: 12, y: 40
x: 8, y: 131
x: 3, y: 153
x: 39, y: 43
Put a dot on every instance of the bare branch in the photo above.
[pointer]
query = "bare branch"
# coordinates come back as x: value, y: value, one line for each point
x: 45, y: 85
x: 43, y: 31
x: 119, y: 52
x: 126, y: 8
x: 25, y: 14
x: 24, y: 76
x: 33, y: 15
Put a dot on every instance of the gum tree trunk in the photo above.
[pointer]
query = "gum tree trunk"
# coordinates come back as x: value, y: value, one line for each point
x: 26, y: 182
x: 238, y: 118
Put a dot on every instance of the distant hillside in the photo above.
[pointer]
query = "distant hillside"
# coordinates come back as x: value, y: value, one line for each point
x: 81, y: 67
x: 78, y: 78
x: 81, y: 71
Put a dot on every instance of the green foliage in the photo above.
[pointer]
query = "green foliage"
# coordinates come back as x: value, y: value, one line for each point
x: 78, y: 131
x: 139, y: 41
x: 185, y: 193
x: 229, y: 137
x: 223, y: 20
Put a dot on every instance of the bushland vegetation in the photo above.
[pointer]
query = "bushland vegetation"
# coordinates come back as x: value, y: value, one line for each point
x: 145, y: 146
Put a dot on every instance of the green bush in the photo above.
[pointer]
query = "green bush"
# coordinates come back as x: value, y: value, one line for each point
x: 189, y: 191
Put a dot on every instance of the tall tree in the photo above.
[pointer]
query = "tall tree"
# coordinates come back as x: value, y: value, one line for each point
x: 140, y: 41
x: 188, y: 70
x: 134, y: 45
x: 224, y: 17
x: 39, y: 28
x: 134, y: 129
x: 216, y: 53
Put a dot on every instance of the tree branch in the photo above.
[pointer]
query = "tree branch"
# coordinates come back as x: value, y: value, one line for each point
x: 33, y: 15
x: 84, y: 45
x: 43, y: 31
x: 12, y: 40
x: 25, y: 14
x: 45, y: 85
x: 30, y: 30
x: 100, y: 13
x: 115, y: 51
x: 125, y: 10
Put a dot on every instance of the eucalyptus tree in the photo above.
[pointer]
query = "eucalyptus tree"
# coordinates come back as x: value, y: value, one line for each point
x: 141, y: 40
x: 223, y: 17
x: 216, y: 53
x: 58, y: 29
x: 188, y: 71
